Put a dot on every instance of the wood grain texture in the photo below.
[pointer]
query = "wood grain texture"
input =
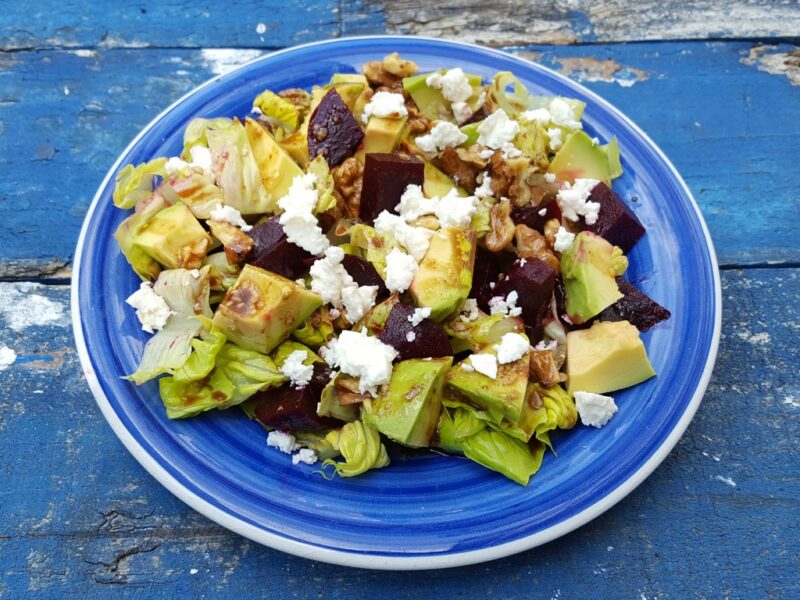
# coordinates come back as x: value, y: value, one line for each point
x: 719, y: 519
x: 66, y: 115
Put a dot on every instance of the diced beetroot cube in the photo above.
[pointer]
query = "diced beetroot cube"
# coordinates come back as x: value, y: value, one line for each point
x: 529, y: 215
x: 333, y: 131
x: 273, y: 252
x: 533, y: 280
x: 414, y: 341
x: 386, y: 177
x: 636, y: 307
x: 291, y: 409
x: 615, y: 222
x: 487, y: 270
x: 364, y: 273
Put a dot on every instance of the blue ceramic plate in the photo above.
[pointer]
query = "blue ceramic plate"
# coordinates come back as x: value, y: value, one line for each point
x: 425, y: 511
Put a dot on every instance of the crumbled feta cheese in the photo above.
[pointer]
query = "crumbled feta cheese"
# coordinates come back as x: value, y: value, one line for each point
x: 362, y: 356
x: 564, y: 239
x: 298, y: 220
x: 335, y: 286
x: 485, y: 189
x: 497, y: 130
x: 414, y: 204
x: 301, y: 282
x: 466, y: 367
x: 400, y: 270
x: 469, y: 312
x: 195, y: 273
x: 230, y: 215
x: 175, y: 164
x: 455, y: 211
x: 554, y: 135
x: 512, y: 346
x: 304, y: 455
x: 151, y: 309
x: 454, y: 85
x: 522, y: 262
x: 541, y: 212
x: 281, y: 440
x: 385, y: 105
x: 594, y: 409
x: 442, y: 135
x: 540, y: 115
x: 486, y: 154
x: 7, y: 357
x: 486, y: 364
x: 201, y: 157
x: 358, y: 300
x: 411, y: 336
x: 595, y: 141
x: 293, y: 367
x: 415, y: 239
x: 506, y: 306
x: 550, y: 177
x: 562, y: 114
x: 551, y: 345
x: 574, y: 203
x: 461, y: 111
x: 418, y: 315
x: 335, y: 313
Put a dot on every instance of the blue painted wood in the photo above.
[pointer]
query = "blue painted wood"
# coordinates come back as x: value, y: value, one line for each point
x: 718, y: 519
x: 67, y: 115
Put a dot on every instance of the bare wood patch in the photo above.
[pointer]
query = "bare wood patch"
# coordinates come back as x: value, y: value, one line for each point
x: 588, y: 68
x: 767, y: 58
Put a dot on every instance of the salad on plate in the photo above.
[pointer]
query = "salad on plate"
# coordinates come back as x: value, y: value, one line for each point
x: 394, y: 257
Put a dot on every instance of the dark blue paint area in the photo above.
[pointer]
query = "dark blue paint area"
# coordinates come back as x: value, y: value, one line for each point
x: 454, y: 505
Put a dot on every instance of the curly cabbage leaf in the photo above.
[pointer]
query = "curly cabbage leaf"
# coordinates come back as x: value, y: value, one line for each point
x: 361, y: 448
x: 135, y: 183
x: 204, y: 353
x: 510, y: 457
x: 317, y: 329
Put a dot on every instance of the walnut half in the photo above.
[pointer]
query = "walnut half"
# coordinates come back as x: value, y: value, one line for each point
x: 502, y: 231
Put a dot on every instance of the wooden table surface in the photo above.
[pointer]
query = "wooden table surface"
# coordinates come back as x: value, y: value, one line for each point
x: 716, y: 85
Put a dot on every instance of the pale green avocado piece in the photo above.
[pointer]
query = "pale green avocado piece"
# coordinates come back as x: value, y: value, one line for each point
x: 504, y: 395
x: 436, y: 183
x: 578, y: 158
x: 471, y: 131
x: 338, y: 78
x: 408, y: 409
x: 349, y: 92
x: 589, y: 268
x: 376, y: 317
x: 331, y: 406
x: 175, y: 238
x: 382, y: 135
x: 444, y: 277
x: 606, y: 357
x: 261, y: 309
x: 276, y: 167
x: 431, y: 102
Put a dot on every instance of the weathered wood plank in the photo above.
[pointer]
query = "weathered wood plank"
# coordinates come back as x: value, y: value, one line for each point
x: 64, y: 116
x: 718, y: 519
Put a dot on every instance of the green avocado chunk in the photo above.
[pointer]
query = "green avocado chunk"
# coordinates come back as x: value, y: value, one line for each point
x: 382, y: 135
x: 408, y: 409
x: 175, y: 238
x: 261, y: 309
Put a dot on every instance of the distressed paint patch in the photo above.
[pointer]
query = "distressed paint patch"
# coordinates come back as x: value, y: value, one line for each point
x: 21, y: 307
x: 768, y: 59
x: 587, y: 68
x: 223, y: 60
x: 7, y: 357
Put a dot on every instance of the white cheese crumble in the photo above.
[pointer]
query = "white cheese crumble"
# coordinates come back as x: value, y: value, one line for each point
x: 230, y: 215
x: 400, y: 270
x: 497, y: 130
x: 281, y: 440
x: 564, y: 239
x: 512, y: 347
x: 419, y: 315
x: 385, y: 105
x: 486, y: 154
x: 539, y: 115
x: 414, y: 239
x: 562, y: 114
x: 358, y: 300
x: 151, y: 309
x: 550, y: 177
x: 594, y: 409
x: 201, y: 159
x: 466, y: 367
x: 304, y: 455
x: 299, y: 374
x: 335, y: 286
x: 486, y: 364
x: 485, y: 188
x: 461, y: 111
x: 414, y: 204
x: 454, y: 85
x: 455, y: 211
x: 541, y: 212
x: 195, y: 273
x: 442, y: 135
x: 7, y: 357
x: 469, y: 312
x: 574, y: 201
x: 411, y: 336
x: 554, y: 135
x: 506, y: 306
x: 298, y: 220
x: 362, y: 356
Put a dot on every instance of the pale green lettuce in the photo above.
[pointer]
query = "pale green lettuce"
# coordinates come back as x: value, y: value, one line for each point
x: 135, y: 183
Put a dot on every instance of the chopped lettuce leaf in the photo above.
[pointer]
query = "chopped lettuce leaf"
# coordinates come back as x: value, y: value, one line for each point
x: 222, y: 274
x: 324, y: 184
x: 361, y: 448
x: 278, y: 111
x: 282, y: 352
x: 508, y: 92
x: 612, y: 154
x: 317, y: 329
x: 502, y: 453
x: 486, y: 329
x: 371, y: 245
x: 204, y: 353
x: 134, y: 184
x: 532, y: 140
x: 197, y: 191
x: 196, y: 133
x: 317, y: 442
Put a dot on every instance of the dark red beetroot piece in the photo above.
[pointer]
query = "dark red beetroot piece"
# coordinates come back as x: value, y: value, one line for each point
x: 533, y: 280
x: 386, y: 177
x: 273, y: 252
x: 291, y: 409
x: 430, y: 340
x: 636, y: 307
x: 363, y: 273
x: 486, y: 271
x: 333, y: 131
x: 529, y: 215
x: 615, y: 222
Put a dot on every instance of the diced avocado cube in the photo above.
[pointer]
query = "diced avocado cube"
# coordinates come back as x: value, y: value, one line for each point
x: 276, y: 167
x: 436, y: 183
x: 175, y: 238
x: 580, y: 158
x: 382, y: 135
x: 606, y: 357
x: 444, y: 277
x: 408, y: 409
x: 262, y: 309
